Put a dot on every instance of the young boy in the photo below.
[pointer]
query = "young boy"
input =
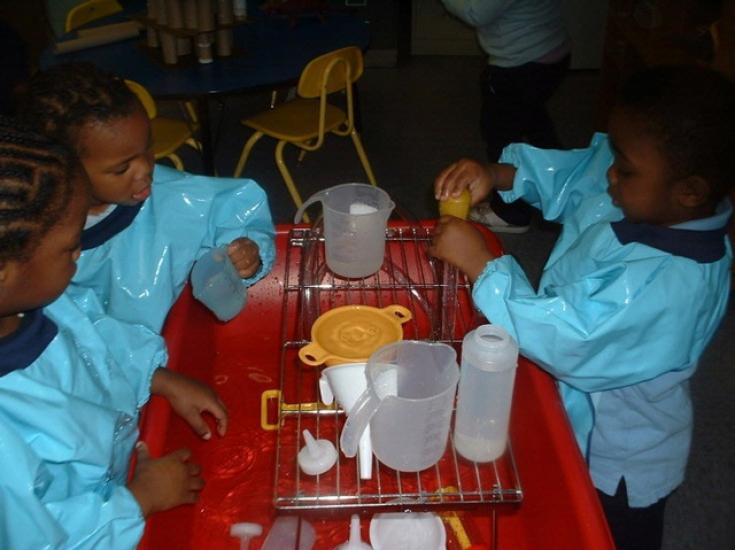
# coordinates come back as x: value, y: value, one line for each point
x: 147, y: 225
x: 634, y: 288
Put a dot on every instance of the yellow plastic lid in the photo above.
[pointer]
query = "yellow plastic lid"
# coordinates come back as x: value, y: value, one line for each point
x: 350, y: 334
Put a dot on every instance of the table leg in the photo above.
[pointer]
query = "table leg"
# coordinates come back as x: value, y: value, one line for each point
x: 205, y: 137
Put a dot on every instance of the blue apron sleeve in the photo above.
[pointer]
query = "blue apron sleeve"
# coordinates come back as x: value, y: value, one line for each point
x: 612, y: 328
x: 137, y: 350
x: 84, y: 521
x: 557, y: 181
x: 232, y: 208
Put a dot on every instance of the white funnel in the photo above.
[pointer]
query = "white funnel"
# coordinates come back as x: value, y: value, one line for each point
x: 346, y: 383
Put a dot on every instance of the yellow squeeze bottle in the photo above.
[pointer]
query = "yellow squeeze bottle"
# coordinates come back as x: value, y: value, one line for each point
x: 458, y: 207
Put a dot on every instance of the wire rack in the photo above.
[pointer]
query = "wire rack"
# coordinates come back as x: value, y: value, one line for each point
x: 442, y: 310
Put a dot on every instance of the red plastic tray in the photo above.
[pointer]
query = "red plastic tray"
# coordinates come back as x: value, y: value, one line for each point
x: 240, y: 359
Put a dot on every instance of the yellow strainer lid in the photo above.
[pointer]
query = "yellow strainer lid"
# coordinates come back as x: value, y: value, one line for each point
x: 350, y: 334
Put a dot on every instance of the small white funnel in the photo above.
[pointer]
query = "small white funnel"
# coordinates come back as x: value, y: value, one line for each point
x: 317, y: 456
x: 245, y: 532
x: 345, y: 383
x: 354, y: 542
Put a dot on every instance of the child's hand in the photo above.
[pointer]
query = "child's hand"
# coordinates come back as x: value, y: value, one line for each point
x: 190, y: 398
x: 464, y: 174
x: 458, y: 242
x: 162, y: 483
x: 245, y: 256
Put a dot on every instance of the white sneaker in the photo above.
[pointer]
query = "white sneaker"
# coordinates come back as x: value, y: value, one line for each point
x: 484, y: 214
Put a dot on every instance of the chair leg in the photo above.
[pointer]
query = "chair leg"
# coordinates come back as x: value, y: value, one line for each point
x: 174, y: 158
x: 287, y: 177
x: 363, y: 157
x: 194, y: 144
x: 246, y: 153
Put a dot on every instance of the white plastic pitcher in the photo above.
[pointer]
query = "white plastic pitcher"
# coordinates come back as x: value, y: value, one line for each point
x: 355, y: 217
x: 408, y: 404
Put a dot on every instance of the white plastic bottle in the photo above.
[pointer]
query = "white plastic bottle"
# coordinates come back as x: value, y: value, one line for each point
x: 489, y: 361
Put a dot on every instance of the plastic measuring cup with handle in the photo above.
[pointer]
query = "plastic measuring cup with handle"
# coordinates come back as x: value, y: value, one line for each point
x: 355, y: 218
x: 407, y: 403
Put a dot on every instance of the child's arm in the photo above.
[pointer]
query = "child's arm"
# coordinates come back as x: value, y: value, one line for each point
x: 620, y: 324
x: 557, y: 181
x: 477, y: 177
x: 190, y: 398
x: 166, y: 482
x: 31, y: 516
x: 240, y: 210
x: 459, y: 243
x: 245, y: 256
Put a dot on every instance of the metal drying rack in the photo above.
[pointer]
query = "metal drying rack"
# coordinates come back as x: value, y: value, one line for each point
x: 408, y: 277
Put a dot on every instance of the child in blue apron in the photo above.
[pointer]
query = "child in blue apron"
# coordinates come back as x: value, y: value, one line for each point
x: 147, y: 224
x: 71, y: 381
x: 634, y: 288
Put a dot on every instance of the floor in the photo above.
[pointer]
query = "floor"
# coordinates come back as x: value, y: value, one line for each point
x: 418, y: 118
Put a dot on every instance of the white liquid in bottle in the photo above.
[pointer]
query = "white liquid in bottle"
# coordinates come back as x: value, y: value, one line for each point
x: 489, y: 360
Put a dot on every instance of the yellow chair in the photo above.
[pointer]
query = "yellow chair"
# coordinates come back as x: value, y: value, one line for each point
x: 168, y: 133
x: 305, y: 120
x: 89, y: 11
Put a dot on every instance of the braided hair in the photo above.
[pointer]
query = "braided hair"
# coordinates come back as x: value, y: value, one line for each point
x: 36, y: 184
x: 58, y: 102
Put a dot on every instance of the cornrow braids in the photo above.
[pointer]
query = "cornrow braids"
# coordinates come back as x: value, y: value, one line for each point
x: 36, y: 184
x: 62, y: 99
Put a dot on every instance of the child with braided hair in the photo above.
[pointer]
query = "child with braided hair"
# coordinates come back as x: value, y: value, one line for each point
x: 72, y: 381
x: 146, y: 225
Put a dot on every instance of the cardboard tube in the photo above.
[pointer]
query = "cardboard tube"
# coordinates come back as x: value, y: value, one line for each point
x: 225, y: 18
x: 168, y: 41
x: 175, y: 18
x: 205, y: 15
x: 190, y: 14
x: 151, y: 34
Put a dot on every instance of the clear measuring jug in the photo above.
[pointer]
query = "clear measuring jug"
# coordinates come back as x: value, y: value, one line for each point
x: 355, y: 217
x: 407, y: 403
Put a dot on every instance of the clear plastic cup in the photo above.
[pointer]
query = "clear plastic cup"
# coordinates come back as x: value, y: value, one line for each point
x: 408, y: 405
x: 355, y: 218
x: 216, y: 283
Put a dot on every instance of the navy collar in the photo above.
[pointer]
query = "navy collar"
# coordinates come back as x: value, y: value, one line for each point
x: 101, y: 232
x: 21, y: 348
x: 701, y: 246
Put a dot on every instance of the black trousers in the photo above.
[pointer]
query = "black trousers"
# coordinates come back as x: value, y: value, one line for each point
x: 514, y: 110
x: 633, y: 528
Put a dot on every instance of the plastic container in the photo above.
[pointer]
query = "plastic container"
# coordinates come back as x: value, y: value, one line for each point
x: 285, y: 533
x: 354, y: 542
x: 407, y: 531
x: 216, y: 284
x: 355, y: 217
x: 489, y: 361
x: 459, y: 207
x: 408, y: 404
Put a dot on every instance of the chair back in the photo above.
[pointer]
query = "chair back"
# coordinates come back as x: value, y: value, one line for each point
x: 144, y: 97
x: 331, y: 72
x: 89, y: 11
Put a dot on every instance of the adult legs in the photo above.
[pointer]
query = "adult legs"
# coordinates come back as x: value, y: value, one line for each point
x: 514, y: 110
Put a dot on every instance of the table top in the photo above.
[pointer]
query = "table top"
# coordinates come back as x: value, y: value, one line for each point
x: 246, y: 358
x: 268, y: 51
